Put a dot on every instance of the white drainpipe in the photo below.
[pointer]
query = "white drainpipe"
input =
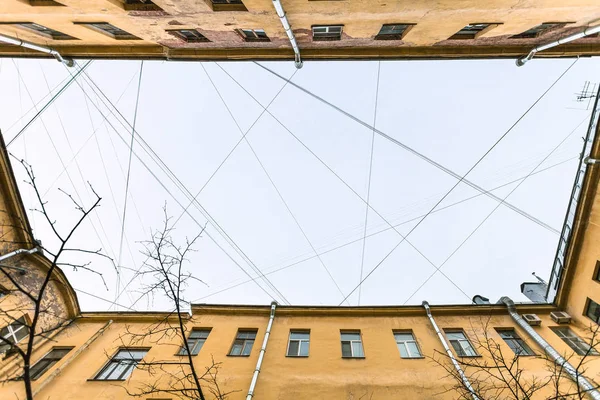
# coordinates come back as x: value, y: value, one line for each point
x: 590, y: 161
x: 288, y: 30
x: 16, y: 252
x: 587, y: 32
x: 462, y: 375
x: 262, y: 352
x: 18, y: 42
x: 583, y: 383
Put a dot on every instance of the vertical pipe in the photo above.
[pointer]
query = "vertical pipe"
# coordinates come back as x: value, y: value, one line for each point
x: 462, y: 375
x: 262, y: 352
x: 577, y: 377
x: 289, y: 32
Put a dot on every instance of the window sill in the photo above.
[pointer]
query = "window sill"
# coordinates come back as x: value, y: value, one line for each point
x: 353, y: 358
x: 287, y: 355
x: 413, y: 358
x: 238, y: 355
x: 475, y: 356
x: 105, y: 380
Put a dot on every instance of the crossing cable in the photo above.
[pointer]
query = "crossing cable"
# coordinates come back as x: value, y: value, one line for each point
x: 362, y: 258
x: 290, y: 265
x: 135, y: 113
x: 289, y: 210
x: 49, y: 102
x: 175, y: 180
x: 184, y: 211
x: 464, y: 176
x: 494, y: 210
x: 103, y: 299
x: 416, y: 153
x: 168, y: 191
x: 343, y: 181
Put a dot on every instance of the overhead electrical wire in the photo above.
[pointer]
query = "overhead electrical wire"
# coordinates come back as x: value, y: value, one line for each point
x: 413, y: 151
x: 284, y: 202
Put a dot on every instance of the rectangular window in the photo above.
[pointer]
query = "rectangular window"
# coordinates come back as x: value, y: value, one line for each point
x: 407, y: 345
x: 592, y: 310
x: 352, y: 345
x: 298, y: 344
x: 470, y: 31
x: 44, y: 31
x: 228, y: 5
x: 242, y: 346
x: 515, y: 343
x: 140, y: 5
x: 14, y: 333
x: 537, y: 30
x: 253, y: 35
x: 110, y: 30
x: 393, y: 31
x: 188, y: 35
x: 48, y: 361
x: 326, y: 33
x: 460, y: 343
x: 575, y: 342
x: 121, y: 365
x: 195, y: 341
x: 597, y: 271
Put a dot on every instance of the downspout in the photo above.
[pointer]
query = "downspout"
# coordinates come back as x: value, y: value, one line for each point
x: 262, y: 352
x: 583, y: 383
x: 462, y: 375
x: 18, y: 42
x: 586, y: 32
x: 288, y: 30
x: 16, y: 252
x: 58, y: 370
x: 590, y: 161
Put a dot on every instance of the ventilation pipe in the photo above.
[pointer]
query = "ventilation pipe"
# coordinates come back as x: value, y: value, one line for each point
x: 462, y: 375
x: 262, y: 352
x: 288, y: 30
x: 18, y: 42
x: 583, y: 383
x: 587, y: 32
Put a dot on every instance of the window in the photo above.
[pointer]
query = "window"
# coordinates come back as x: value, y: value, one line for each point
x: 195, y: 341
x: 592, y: 310
x: 393, y: 31
x: 44, y: 31
x: 253, y: 35
x: 407, y: 345
x: 138, y: 5
x: 352, y: 345
x: 537, y: 30
x: 55, y: 355
x: 121, y: 365
x: 515, y: 343
x: 470, y: 31
x: 597, y: 271
x: 298, y: 344
x: 461, y: 344
x: 14, y: 333
x: 35, y: 3
x: 111, y: 30
x: 324, y: 33
x: 575, y: 342
x: 189, y: 35
x: 242, y: 346
x: 228, y: 5
x: 4, y: 291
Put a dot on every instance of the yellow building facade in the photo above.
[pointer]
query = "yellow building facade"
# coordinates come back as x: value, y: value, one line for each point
x: 338, y: 353
x: 323, y: 29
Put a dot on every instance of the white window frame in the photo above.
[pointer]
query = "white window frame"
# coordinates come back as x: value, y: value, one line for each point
x: 327, y: 33
x: 11, y: 336
x: 577, y: 344
x: 461, y: 343
x: 401, y: 342
x: 300, y: 341
x: 117, y: 360
x: 352, y: 341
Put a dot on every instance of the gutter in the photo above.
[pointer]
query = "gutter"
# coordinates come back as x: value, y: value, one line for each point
x: 83, y: 347
x: 18, y: 42
x: 462, y: 375
x: 288, y: 30
x: 585, y: 385
x: 587, y: 32
x: 22, y: 271
x: 262, y: 353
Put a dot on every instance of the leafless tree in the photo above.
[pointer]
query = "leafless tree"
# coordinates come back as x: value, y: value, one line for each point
x: 178, y: 376
x: 496, y: 375
x: 31, y: 313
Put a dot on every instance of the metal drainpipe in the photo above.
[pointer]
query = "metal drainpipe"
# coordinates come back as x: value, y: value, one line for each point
x: 583, y: 383
x: 288, y: 30
x: 262, y: 352
x: 590, y: 161
x: 463, y: 377
x: 18, y: 42
x: 58, y: 370
x: 586, y: 32
x: 16, y: 252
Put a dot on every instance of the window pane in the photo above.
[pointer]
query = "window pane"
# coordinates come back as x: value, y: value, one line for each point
x: 593, y: 311
x: 247, y: 347
x: 413, y: 349
x: 403, y: 336
x: 236, y: 350
x: 455, y: 335
x: 304, y: 348
x: 403, y: 350
x: 468, y: 349
x: 457, y: 348
x: 42, y: 366
x: 357, y: 349
x: 346, y: 349
x: 299, y: 335
x: 350, y: 336
x: 293, y: 348
x: 199, y: 334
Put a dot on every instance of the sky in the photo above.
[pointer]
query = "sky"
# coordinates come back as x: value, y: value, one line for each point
x: 284, y: 193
